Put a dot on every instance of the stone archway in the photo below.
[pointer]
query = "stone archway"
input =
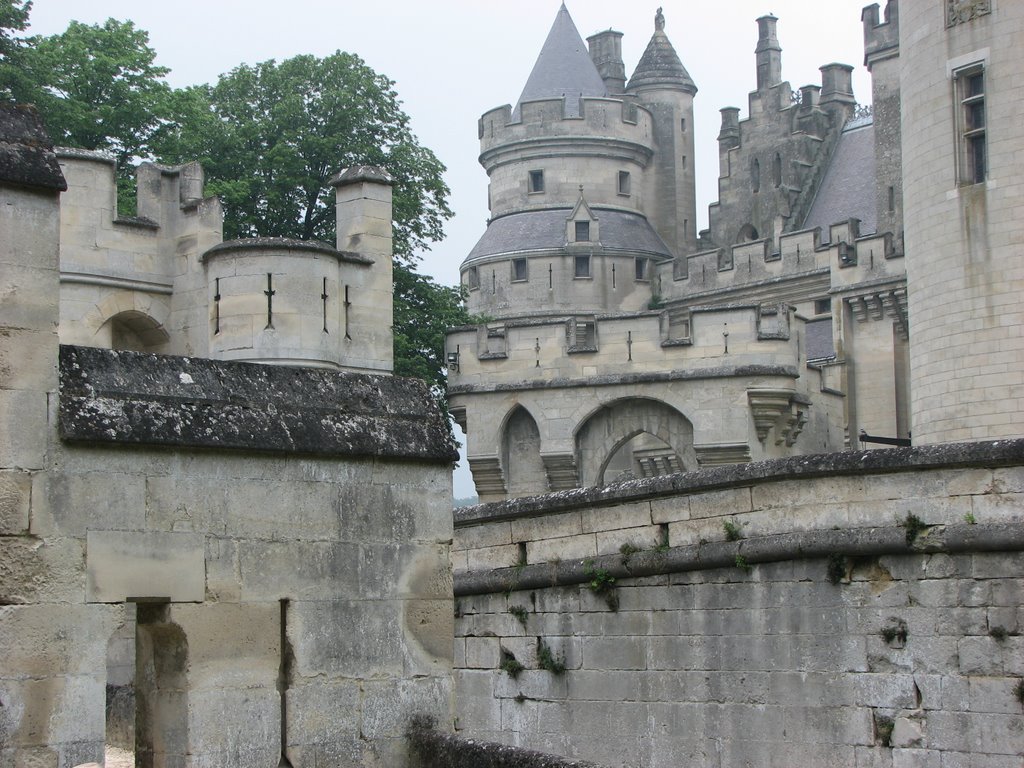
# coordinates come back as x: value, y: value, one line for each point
x: 520, y: 455
x: 136, y: 332
x: 607, y: 430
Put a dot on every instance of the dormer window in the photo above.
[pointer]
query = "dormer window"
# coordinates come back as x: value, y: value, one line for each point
x: 582, y: 232
x: 536, y: 182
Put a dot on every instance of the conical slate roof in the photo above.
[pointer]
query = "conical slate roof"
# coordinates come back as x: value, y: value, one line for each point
x: 660, y: 64
x: 564, y: 68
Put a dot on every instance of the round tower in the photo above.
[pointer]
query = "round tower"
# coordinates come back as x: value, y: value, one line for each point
x: 662, y: 85
x: 568, y: 193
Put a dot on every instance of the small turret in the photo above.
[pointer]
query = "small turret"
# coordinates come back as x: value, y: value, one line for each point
x: 769, y: 53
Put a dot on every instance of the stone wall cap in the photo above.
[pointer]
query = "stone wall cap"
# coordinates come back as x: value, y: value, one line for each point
x: 93, y: 155
x: 994, y: 453
x: 117, y: 398
x: 360, y: 173
x: 27, y: 158
x: 284, y: 244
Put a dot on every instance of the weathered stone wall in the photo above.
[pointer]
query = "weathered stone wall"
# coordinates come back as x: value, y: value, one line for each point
x: 833, y: 631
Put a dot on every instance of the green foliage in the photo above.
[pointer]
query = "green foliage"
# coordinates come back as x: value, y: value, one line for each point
x: 883, y: 729
x: 272, y: 135
x: 741, y: 562
x: 627, y: 551
x: 836, y: 568
x: 97, y: 87
x: 520, y: 613
x: 547, y: 659
x: 913, y: 525
x: 733, y: 531
x: 970, y: 519
x: 895, y: 632
x: 661, y: 544
x: 509, y: 664
x: 424, y: 310
x: 602, y: 583
x: 13, y: 19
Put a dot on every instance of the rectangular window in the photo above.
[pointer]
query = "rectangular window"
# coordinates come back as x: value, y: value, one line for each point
x: 536, y: 181
x: 969, y: 85
x: 582, y: 266
x: 623, y: 182
x: 473, y: 278
x: 582, y: 231
x: 640, y: 267
x: 822, y: 306
x: 518, y: 270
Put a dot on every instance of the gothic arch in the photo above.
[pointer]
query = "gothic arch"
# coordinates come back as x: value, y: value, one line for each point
x: 520, y: 454
x: 136, y: 331
x: 747, y: 233
x: 607, y: 429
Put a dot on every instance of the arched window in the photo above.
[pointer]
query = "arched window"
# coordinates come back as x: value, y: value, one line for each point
x: 755, y: 175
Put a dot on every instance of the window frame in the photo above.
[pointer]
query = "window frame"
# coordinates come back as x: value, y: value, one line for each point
x: 473, y: 278
x: 535, y: 182
x: 578, y: 259
x: 515, y: 271
x: 971, y: 139
x: 585, y: 225
x: 624, y: 184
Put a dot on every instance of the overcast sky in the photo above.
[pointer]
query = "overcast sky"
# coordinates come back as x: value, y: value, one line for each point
x: 452, y: 60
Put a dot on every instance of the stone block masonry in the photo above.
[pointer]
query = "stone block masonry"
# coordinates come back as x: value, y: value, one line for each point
x: 851, y: 609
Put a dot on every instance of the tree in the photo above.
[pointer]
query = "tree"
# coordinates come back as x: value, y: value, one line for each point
x: 13, y: 18
x: 270, y: 137
x: 97, y: 87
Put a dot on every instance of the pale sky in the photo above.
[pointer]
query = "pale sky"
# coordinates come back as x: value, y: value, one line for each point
x: 452, y: 60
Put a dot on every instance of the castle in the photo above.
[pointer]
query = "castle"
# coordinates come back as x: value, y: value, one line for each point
x: 225, y: 523
x: 621, y: 343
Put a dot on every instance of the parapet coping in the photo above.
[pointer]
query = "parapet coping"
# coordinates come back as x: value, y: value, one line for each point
x: 126, y: 399
x: 800, y: 545
x: 988, y: 454
x: 285, y: 244
x: 448, y: 749
x: 611, y: 380
x: 77, y: 153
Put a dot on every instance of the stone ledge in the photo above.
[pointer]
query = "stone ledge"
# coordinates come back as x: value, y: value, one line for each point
x: 806, y: 545
x: 131, y: 398
x: 988, y: 454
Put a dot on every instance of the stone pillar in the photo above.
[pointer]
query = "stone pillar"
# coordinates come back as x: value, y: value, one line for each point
x: 768, y: 53
x: 363, y: 195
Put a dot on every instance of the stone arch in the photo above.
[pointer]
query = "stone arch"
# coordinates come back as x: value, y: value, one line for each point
x: 137, y: 332
x: 613, y: 425
x: 520, y: 454
x: 747, y: 233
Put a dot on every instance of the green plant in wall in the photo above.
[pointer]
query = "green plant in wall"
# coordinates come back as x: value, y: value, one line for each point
x: 602, y: 583
x: 970, y: 519
x: 742, y: 564
x: 895, y: 633
x: 627, y: 551
x: 661, y: 545
x: 520, y: 613
x: 510, y: 665
x: 547, y: 659
x: 836, y: 568
x: 733, y: 532
x: 913, y: 525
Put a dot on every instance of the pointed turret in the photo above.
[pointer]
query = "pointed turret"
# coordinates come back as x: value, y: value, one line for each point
x: 660, y: 65
x: 662, y: 84
x: 563, y: 69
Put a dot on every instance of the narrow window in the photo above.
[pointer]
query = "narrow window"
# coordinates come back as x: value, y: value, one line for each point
x: 582, y: 266
x: 518, y: 270
x: 892, y: 200
x: 970, y: 92
x: 682, y: 124
x: 640, y: 268
x: 536, y: 181
x: 623, y: 182
x: 755, y: 175
x: 684, y: 162
x: 777, y: 170
x: 473, y: 278
x: 582, y: 231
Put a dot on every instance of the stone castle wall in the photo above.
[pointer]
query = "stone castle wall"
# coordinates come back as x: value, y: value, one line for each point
x: 831, y: 632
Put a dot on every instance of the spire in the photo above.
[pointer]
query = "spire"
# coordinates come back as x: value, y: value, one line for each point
x: 564, y: 68
x: 660, y: 64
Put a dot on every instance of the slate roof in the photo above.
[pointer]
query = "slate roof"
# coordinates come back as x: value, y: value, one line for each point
x: 847, y: 190
x: 544, y: 230
x: 563, y: 68
x: 660, y: 65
